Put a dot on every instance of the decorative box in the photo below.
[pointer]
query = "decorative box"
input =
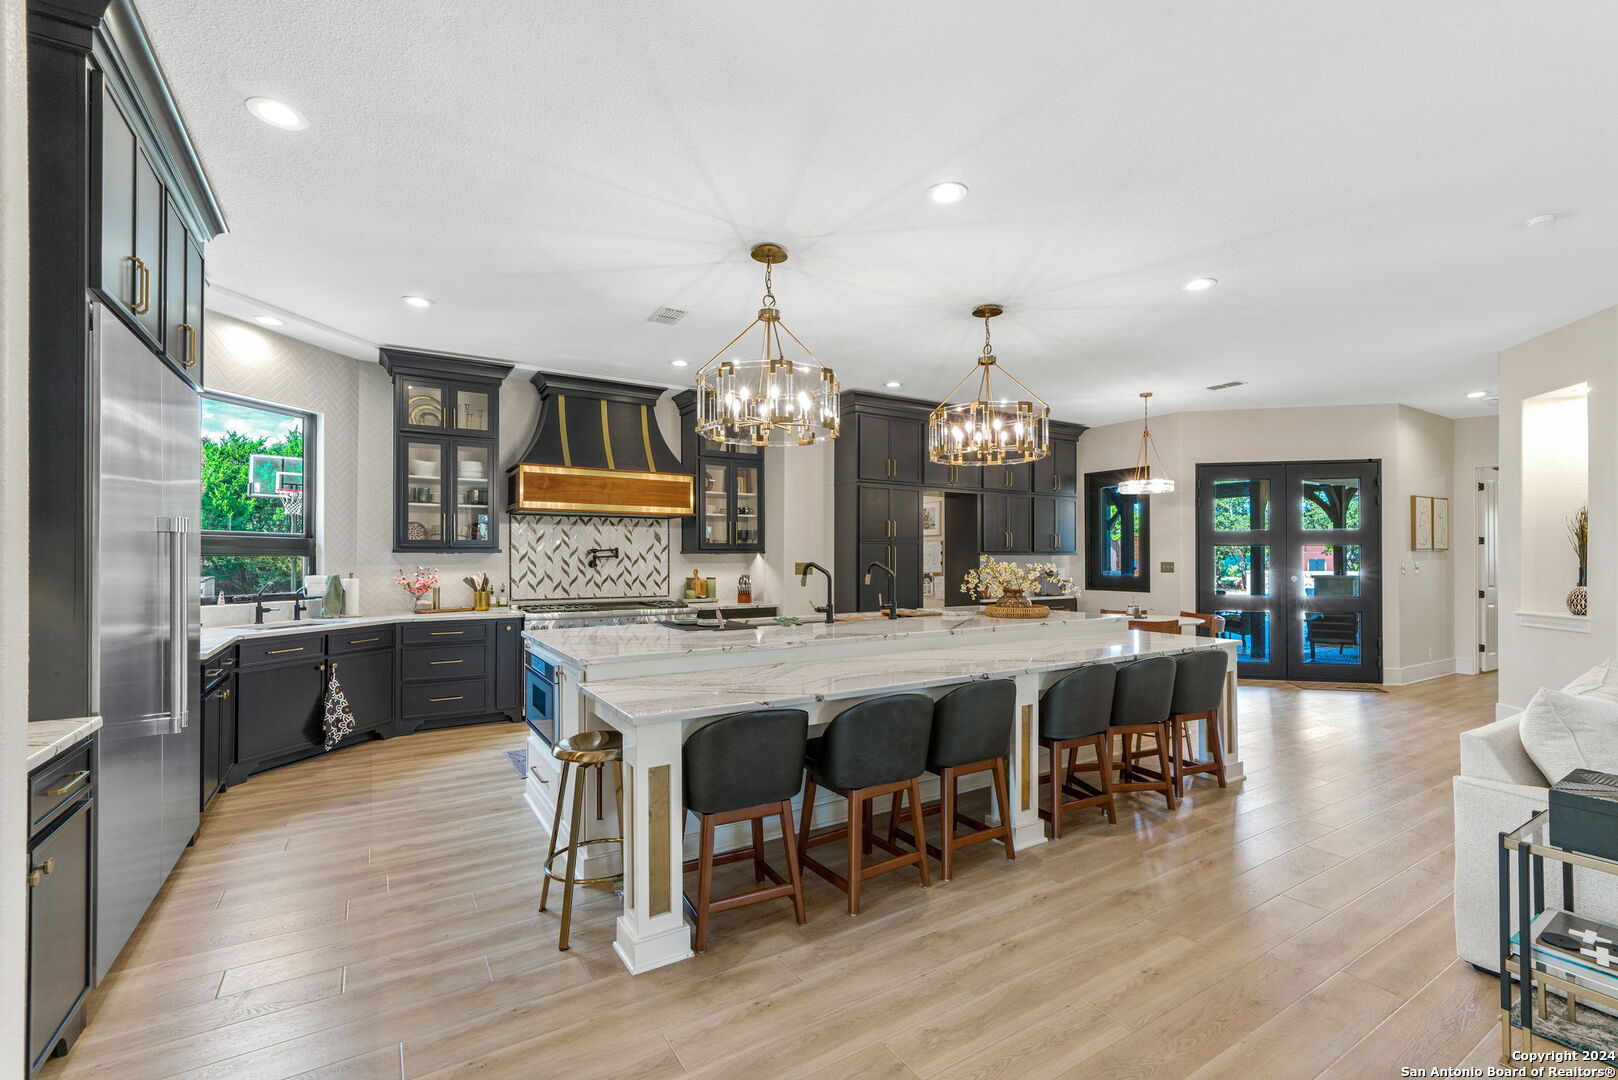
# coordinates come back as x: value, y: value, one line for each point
x: 1584, y: 813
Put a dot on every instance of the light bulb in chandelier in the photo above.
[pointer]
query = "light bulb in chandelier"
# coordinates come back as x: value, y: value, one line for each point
x: 1141, y: 481
x: 989, y: 430
x: 771, y: 398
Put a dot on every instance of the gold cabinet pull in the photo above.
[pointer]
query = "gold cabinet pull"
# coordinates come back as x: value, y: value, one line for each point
x: 224, y: 695
x: 70, y: 782
x: 34, y: 875
x: 144, y: 305
x: 446, y: 661
x: 363, y: 640
x: 190, y: 357
x: 457, y: 697
x: 446, y: 633
x: 538, y: 777
x: 278, y: 652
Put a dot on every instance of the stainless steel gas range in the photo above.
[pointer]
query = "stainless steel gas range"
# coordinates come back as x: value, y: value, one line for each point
x: 540, y: 707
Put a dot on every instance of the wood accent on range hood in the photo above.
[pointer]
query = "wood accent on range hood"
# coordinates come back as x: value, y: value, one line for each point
x: 558, y: 489
x: 597, y: 450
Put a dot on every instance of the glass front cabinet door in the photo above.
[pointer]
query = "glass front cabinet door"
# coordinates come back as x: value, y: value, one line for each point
x: 730, y: 507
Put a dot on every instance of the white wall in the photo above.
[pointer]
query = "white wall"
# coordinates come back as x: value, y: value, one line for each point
x: 1550, y: 647
x: 354, y: 402
x: 1416, y: 450
x: 14, y: 510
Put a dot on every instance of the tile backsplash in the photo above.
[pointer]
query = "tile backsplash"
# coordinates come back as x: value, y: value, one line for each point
x: 548, y: 557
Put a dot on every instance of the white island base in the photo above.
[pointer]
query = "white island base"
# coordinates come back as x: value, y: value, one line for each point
x: 824, y: 670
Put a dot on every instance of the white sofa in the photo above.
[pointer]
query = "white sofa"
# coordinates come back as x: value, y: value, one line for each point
x: 1499, y: 788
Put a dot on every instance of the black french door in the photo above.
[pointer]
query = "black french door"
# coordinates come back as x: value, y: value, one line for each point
x: 1290, y: 555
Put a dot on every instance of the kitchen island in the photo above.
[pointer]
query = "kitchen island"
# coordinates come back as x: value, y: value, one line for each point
x: 657, y: 684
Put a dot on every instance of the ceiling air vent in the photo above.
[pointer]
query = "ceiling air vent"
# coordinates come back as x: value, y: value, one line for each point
x: 1227, y: 385
x: 668, y: 316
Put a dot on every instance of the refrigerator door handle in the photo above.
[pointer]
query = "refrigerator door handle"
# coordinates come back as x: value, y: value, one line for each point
x: 178, y: 529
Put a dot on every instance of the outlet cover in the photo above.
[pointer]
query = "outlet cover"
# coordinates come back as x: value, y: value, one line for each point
x: 1165, y: 568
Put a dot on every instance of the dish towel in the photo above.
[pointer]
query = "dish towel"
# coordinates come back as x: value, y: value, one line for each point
x: 339, y: 720
x: 331, y: 605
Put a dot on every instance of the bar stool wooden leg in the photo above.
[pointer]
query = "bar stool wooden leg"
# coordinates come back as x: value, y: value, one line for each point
x: 868, y: 817
x: 1165, y: 758
x: 856, y: 849
x: 704, y: 881
x: 893, y: 817
x: 758, y: 849
x: 794, y: 872
x: 556, y: 825
x: 918, y: 823
x: 1104, y: 759
x: 946, y: 823
x: 1003, y: 797
x: 1056, y: 793
x: 808, y: 813
x: 572, y: 859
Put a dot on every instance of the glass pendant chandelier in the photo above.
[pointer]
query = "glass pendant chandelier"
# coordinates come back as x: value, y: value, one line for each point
x: 988, y: 430
x: 766, y: 399
x: 1141, y: 481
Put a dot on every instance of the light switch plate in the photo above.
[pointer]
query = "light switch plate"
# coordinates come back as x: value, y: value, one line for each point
x: 1165, y: 568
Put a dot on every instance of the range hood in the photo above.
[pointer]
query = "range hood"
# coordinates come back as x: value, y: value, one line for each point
x: 597, y: 450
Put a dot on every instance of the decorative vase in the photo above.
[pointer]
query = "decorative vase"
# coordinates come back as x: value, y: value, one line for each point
x: 480, y: 600
x: 424, y: 602
x: 1014, y: 605
x: 1578, y: 598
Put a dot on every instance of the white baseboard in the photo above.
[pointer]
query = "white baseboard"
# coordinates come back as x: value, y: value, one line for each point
x: 1415, y: 673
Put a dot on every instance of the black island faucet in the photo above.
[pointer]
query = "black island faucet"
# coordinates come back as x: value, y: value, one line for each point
x: 803, y: 579
x: 892, y: 606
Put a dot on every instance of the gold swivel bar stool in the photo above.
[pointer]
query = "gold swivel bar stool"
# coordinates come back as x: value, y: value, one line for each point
x: 589, y: 750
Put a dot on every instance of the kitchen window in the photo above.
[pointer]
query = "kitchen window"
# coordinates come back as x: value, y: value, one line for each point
x: 258, y: 489
x: 1117, y: 545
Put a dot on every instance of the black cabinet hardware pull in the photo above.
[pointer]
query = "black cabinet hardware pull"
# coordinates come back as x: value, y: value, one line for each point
x: 73, y: 781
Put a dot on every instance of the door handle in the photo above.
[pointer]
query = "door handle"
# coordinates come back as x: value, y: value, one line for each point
x: 178, y: 529
x: 189, y: 359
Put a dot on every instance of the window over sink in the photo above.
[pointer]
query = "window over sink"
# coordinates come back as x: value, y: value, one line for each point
x: 258, y: 491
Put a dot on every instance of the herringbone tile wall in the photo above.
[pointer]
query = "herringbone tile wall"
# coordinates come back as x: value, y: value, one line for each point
x: 548, y: 557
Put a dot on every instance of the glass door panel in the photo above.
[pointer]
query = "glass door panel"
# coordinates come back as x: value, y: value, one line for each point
x: 471, y: 410
x: 1333, y: 556
x: 749, y: 507
x: 424, y: 405
x: 473, y: 524
x: 424, y: 492
x: 1240, y: 536
x: 715, y: 506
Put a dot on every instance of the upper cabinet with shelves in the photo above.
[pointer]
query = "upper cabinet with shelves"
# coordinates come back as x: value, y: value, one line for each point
x: 446, y: 451
x: 729, y: 513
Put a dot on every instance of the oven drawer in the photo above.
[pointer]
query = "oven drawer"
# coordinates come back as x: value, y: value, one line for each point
x: 444, y: 661
x: 427, y: 700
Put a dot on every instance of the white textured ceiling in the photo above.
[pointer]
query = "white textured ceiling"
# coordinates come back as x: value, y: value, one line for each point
x: 1355, y: 175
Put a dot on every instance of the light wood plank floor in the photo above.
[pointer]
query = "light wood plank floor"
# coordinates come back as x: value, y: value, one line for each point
x: 372, y: 914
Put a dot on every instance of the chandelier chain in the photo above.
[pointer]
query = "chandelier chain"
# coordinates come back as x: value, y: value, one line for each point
x: 769, y: 291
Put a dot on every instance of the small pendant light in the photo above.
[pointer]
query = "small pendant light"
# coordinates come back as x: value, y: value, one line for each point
x: 1142, y: 482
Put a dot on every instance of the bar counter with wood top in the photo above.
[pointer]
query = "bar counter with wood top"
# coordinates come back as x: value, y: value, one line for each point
x: 655, y: 685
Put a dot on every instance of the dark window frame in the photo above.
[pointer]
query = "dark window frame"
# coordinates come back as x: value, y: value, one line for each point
x: 227, y: 542
x: 1095, y: 525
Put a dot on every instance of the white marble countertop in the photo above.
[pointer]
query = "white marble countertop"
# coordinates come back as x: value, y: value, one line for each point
x: 689, y: 695
x: 215, y: 638
x: 47, y: 738
x: 579, y: 648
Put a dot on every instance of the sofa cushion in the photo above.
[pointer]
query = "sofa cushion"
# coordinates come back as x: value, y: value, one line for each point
x: 1600, y: 681
x: 1563, y: 732
x: 1494, y: 752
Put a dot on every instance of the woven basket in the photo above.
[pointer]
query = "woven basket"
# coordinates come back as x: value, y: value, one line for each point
x: 1014, y: 605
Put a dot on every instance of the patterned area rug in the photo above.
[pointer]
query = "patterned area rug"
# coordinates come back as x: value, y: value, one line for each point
x: 1596, y: 1033
x: 519, y: 761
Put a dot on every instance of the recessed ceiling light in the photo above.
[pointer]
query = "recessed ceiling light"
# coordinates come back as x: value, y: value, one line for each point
x: 679, y: 363
x: 268, y: 320
x: 893, y: 384
x: 1200, y: 284
x: 1475, y: 394
x: 417, y: 301
x: 277, y: 113
x: 1539, y: 221
x: 950, y: 191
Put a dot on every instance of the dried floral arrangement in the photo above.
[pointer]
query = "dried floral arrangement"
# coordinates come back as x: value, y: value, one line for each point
x: 993, y: 578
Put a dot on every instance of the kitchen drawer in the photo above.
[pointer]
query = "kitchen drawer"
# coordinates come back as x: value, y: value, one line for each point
x: 358, y: 639
x: 218, y: 665
x: 447, y: 633
x: 277, y: 650
x: 445, y: 661
x: 57, y: 783
x: 426, y: 700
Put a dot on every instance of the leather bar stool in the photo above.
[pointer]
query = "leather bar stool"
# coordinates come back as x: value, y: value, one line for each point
x: 971, y: 734
x: 1076, y: 712
x: 1199, y: 687
x: 875, y: 748
x: 745, y: 767
x: 1141, y: 697
x: 588, y: 750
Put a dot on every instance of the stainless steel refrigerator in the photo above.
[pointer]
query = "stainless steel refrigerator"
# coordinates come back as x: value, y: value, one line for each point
x: 148, y: 615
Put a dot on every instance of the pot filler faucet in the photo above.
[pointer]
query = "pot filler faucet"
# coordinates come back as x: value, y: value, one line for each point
x: 892, y: 606
x: 803, y: 579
